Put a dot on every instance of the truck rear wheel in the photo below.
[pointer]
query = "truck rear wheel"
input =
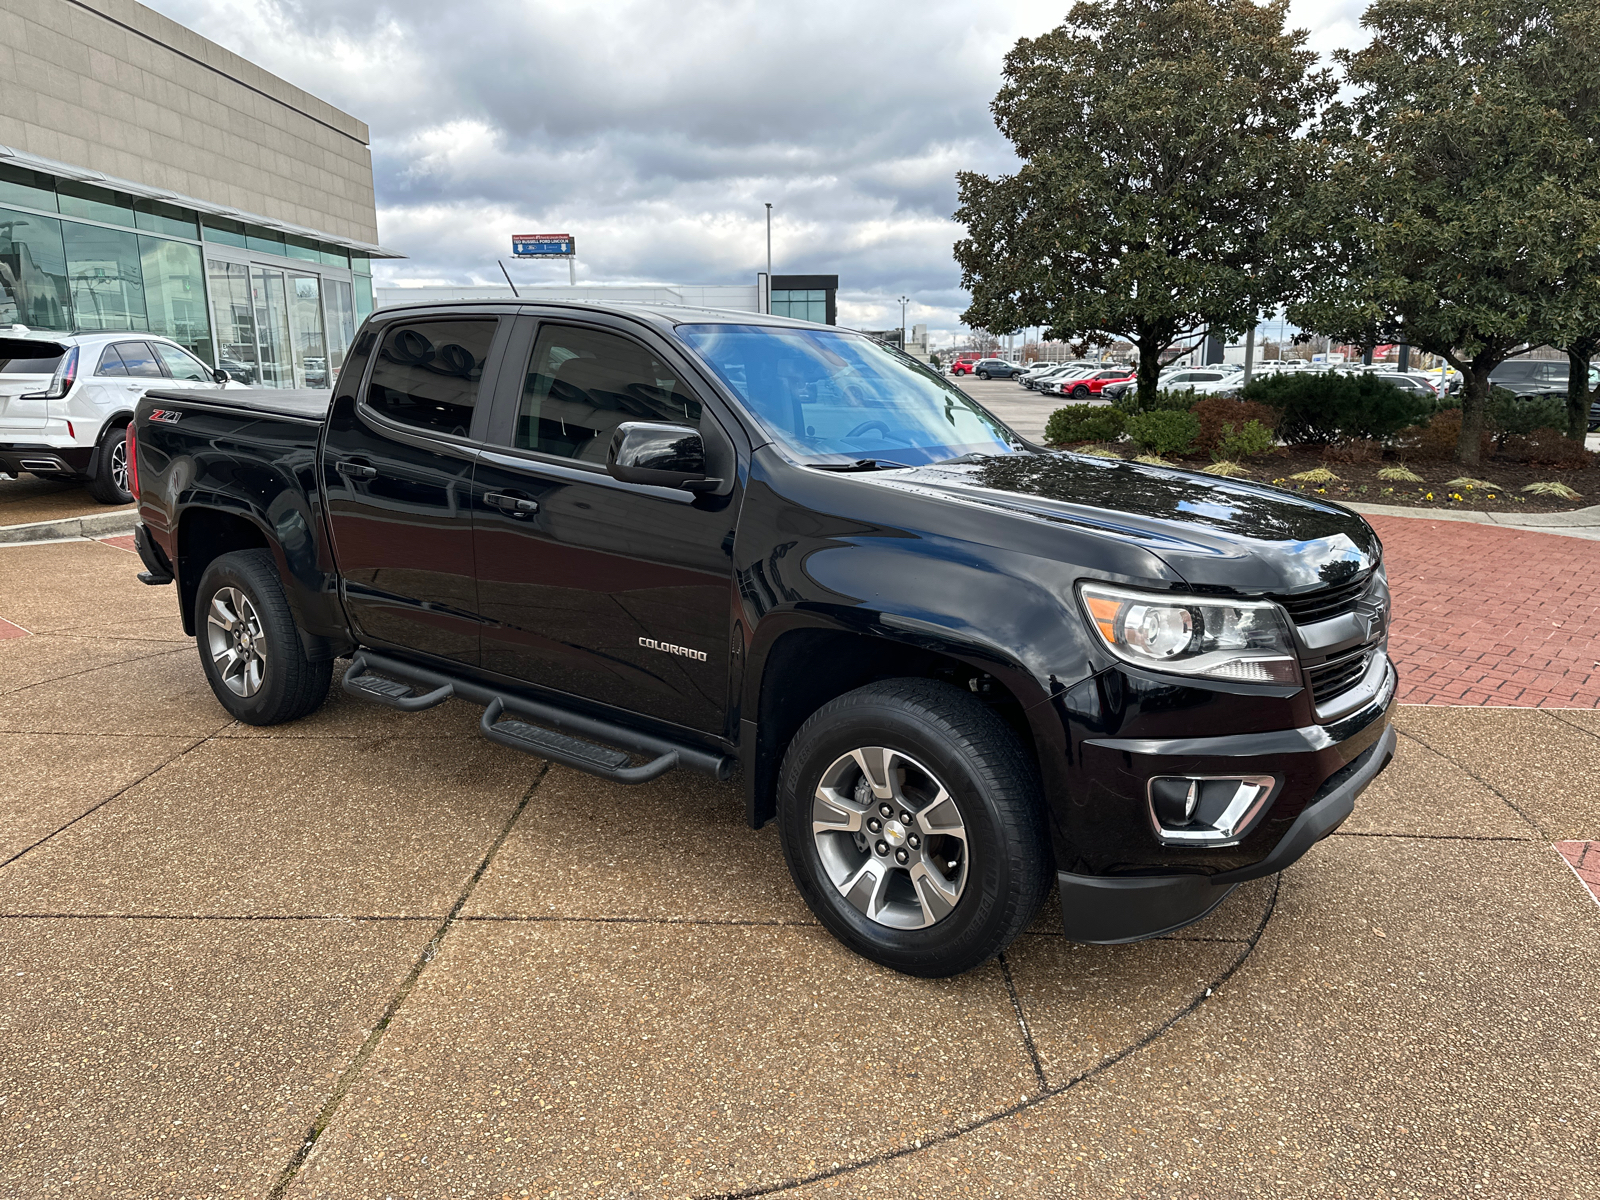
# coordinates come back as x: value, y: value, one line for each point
x: 249, y: 645
x: 912, y: 825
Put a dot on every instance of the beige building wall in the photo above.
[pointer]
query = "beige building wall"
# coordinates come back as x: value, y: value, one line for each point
x: 115, y: 87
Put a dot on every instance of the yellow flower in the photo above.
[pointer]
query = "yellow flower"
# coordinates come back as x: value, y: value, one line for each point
x: 1491, y: 495
x: 1429, y: 496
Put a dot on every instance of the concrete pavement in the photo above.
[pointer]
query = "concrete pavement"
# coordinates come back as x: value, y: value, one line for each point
x: 370, y: 954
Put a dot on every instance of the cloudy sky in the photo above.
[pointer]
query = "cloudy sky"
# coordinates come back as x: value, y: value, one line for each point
x: 654, y: 132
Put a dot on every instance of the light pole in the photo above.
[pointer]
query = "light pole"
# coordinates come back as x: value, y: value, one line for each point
x: 904, y: 300
x: 769, y: 260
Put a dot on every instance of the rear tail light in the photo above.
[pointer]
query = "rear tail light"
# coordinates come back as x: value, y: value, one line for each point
x: 66, y: 374
x: 133, y: 461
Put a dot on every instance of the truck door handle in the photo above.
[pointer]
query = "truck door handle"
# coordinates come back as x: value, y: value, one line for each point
x: 509, y: 502
x: 355, y: 469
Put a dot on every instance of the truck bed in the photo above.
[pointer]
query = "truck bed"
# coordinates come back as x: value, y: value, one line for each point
x: 306, y: 404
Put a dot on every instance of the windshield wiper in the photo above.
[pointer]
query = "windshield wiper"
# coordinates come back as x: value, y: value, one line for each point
x: 971, y: 457
x: 861, y: 464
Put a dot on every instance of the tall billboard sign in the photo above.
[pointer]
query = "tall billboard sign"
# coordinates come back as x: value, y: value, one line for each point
x: 543, y: 245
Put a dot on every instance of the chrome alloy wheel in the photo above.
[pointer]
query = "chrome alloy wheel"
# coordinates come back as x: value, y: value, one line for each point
x: 238, y: 647
x: 119, y: 464
x: 890, y: 837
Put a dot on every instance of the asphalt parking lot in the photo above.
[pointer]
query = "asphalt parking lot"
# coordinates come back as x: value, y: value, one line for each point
x: 370, y: 954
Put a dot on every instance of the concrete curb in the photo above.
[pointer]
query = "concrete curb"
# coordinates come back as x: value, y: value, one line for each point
x: 97, y: 525
x: 1579, y: 523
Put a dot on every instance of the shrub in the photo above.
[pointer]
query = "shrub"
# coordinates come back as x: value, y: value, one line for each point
x: 1354, y: 450
x: 1325, y: 407
x: 1165, y: 431
x: 1316, y: 475
x: 1083, y: 423
x: 1436, y: 441
x: 1549, y: 447
x: 1217, y: 413
x: 1521, y: 415
x: 1225, y: 468
x: 1165, y: 401
x: 1553, y: 487
x: 1252, y: 439
x: 1399, y: 475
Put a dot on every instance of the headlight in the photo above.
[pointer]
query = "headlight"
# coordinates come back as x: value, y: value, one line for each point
x: 1245, y: 640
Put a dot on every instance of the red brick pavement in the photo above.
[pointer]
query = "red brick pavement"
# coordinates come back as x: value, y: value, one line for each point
x: 1584, y: 859
x: 1487, y: 615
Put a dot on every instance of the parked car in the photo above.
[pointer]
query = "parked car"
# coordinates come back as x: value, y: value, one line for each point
x: 1085, y: 386
x: 964, y: 363
x: 237, y: 371
x: 1203, y: 381
x: 995, y: 368
x: 1043, y: 379
x: 956, y: 669
x: 65, y: 401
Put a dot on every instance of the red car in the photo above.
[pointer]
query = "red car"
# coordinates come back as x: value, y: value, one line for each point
x: 964, y: 363
x: 1091, y: 385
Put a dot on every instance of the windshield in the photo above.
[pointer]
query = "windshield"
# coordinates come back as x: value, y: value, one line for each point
x: 838, y: 397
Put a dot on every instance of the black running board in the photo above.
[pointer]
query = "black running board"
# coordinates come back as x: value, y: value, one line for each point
x: 397, y: 681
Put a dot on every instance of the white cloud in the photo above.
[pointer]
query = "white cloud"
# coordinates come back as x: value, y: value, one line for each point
x: 654, y: 133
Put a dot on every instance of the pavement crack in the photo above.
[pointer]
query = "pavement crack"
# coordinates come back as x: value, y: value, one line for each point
x: 776, y: 922
x: 374, y: 1038
x: 114, y: 795
x: 1433, y: 837
x: 1509, y: 802
x: 1048, y: 1093
x: 1556, y: 713
x: 17, y: 691
x: 1022, y: 1024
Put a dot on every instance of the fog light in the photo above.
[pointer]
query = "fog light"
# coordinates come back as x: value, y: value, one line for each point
x: 1207, y: 810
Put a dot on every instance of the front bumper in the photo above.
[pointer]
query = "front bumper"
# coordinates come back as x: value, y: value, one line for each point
x: 1107, y: 909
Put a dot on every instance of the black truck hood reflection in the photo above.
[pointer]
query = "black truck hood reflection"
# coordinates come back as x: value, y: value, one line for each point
x: 1212, y: 531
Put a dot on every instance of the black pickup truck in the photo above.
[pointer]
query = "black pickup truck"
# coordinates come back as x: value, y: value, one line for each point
x: 954, y: 666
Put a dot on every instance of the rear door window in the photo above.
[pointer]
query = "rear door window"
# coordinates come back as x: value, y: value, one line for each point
x: 111, y: 363
x: 428, y: 373
x: 140, y: 360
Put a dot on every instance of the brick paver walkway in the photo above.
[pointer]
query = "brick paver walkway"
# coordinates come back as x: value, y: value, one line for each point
x: 1584, y: 859
x: 1484, y: 615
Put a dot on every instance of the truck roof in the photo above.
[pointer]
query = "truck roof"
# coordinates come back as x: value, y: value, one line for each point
x: 663, y: 315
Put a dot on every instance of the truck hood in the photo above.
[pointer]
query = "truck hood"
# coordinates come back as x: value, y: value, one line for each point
x: 1211, y: 531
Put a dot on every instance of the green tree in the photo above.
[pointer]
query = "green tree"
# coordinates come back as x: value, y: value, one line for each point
x: 1451, y: 211
x: 1161, y: 154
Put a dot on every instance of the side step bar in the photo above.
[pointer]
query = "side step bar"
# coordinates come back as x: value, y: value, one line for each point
x: 395, y: 688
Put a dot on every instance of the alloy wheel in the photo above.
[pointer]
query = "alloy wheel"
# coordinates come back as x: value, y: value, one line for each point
x: 119, y: 463
x: 236, y: 642
x: 891, y: 838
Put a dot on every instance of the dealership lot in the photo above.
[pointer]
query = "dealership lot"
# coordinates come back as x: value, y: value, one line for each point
x: 469, y: 971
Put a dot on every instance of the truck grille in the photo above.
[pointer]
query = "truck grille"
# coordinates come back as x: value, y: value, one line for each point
x: 1339, y: 675
x: 1309, y: 608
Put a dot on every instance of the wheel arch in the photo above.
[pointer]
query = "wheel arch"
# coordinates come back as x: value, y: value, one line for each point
x: 120, y: 419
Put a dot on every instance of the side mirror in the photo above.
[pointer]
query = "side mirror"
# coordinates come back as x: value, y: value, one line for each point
x: 218, y: 375
x: 664, y: 455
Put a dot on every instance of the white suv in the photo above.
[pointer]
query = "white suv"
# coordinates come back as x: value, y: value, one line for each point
x: 66, y: 400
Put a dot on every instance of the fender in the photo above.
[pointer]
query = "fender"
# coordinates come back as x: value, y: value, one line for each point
x: 117, y: 420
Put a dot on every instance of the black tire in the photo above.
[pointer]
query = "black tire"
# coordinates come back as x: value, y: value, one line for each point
x: 107, y: 484
x: 981, y: 764
x: 1080, y: 392
x: 983, y: 374
x: 289, y: 685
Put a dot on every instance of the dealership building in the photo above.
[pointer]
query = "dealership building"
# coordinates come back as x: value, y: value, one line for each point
x: 151, y: 180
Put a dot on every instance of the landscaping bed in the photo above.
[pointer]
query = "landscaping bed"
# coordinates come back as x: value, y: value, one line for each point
x: 1359, y: 482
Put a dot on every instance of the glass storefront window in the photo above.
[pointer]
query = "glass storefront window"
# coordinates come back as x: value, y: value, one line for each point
x: 105, y: 276
x: 223, y: 231
x: 807, y: 305
x: 155, y: 217
x: 363, y: 284
x: 338, y: 300
x: 233, y: 318
x: 33, y: 272
x: 305, y: 332
x: 270, y: 305
x: 175, y: 293
x: 18, y: 185
x: 264, y: 241
x: 332, y: 256
x: 94, y: 204
x: 361, y: 264
x: 302, y: 249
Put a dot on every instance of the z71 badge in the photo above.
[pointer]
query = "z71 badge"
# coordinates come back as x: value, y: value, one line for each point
x: 165, y: 414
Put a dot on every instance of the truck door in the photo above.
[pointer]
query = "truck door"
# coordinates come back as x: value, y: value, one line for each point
x: 613, y: 592
x: 397, y: 465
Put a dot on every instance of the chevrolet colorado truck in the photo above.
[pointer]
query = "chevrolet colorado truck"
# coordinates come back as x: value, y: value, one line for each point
x: 955, y: 667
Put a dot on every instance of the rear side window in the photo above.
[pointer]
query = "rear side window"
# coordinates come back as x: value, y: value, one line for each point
x: 111, y: 363
x: 140, y: 360
x: 428, y: 373
x: 582, y: 383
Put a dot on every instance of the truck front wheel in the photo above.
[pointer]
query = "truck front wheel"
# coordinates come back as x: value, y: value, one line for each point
x: 912, y: 825
x: 248, y: 643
